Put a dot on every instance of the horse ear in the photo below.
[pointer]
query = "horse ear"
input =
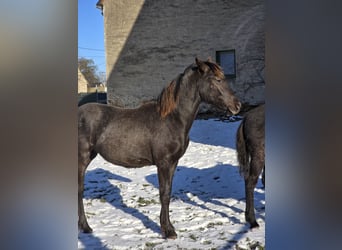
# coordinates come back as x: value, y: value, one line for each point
x: 202, y: 67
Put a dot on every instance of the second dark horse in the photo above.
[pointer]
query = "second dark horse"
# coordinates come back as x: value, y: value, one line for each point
x: 156, y: 133
x: 250, y: 145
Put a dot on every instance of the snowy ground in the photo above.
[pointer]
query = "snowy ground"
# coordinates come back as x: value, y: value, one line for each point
x: 206, y: 209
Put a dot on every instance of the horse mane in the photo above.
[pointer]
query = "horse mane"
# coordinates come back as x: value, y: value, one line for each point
x: 168, y: 98
x: 216, y: 69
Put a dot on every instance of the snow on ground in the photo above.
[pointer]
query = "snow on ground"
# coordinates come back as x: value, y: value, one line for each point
x: 207, y: 205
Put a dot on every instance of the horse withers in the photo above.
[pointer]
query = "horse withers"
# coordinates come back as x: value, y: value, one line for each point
x: 250, y: 145
x: 156, y: 133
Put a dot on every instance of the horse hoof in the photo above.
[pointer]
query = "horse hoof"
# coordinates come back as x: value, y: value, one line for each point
x: 170, y: 235
x: 254, y: 225
x: 85, y: 229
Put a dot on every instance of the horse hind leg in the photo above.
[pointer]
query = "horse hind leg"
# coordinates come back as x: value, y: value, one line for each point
x: 83, y: 161
x: 256, y: 166
x: 263, y: 177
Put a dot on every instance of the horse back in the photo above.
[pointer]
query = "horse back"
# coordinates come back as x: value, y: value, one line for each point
x: 91, y: 118
x: 95, y: 118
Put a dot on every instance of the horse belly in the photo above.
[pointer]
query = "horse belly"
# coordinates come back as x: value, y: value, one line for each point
x: 131, y: 156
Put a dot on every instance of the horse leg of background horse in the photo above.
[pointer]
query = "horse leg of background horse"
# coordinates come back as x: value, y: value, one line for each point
x: 263, y: 177
x: 84, y: 158
x: 165, y: 176
x: 256, y: 166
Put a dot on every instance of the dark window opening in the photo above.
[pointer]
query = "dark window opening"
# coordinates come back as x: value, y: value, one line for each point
x: 226, y: 59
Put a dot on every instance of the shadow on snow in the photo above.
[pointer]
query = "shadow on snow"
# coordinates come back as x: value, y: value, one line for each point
x: 222, y: 181
x: 97, y: 186
x: 217, y: 134
x: 208, y: 185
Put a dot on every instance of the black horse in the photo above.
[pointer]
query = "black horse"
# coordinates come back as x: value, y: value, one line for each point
x: 250, y: 145
x: 156, y: 133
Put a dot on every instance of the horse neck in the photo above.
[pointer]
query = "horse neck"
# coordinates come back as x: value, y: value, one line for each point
x: 188, y: 104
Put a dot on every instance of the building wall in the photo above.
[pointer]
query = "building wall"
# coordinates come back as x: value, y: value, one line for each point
x: 148, y: 43
x: 82, y: 83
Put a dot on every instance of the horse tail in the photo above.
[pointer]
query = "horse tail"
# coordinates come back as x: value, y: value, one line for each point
x: 242, y: 152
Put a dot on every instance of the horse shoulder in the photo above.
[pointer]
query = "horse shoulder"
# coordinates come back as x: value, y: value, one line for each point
x: 169, y: 143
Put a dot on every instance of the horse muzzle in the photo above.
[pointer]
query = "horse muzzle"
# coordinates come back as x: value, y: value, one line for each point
x: 235, y: 108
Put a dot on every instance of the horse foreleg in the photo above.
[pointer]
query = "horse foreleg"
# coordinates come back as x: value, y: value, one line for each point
x: 165, y: 176
x: 256, y: 167
x: 83, y: 162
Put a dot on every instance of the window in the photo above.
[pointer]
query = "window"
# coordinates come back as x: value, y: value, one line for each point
x: 226, y: 58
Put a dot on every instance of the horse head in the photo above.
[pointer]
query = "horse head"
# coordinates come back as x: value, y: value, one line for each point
x: 213, y: 87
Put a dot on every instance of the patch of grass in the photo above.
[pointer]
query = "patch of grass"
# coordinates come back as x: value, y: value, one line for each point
x: 210, y: 225
x: 89, y: 214
x: 207, y: 242
x: 144, y: 202
x: 213, y: 224
x: 150, y: 245
x: 256, y: 245
x: 193, y: 237
x: 253, y: 245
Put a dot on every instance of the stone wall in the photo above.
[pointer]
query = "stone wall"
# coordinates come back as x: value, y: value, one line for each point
x: 82, y: 83
x: 148, y: 43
